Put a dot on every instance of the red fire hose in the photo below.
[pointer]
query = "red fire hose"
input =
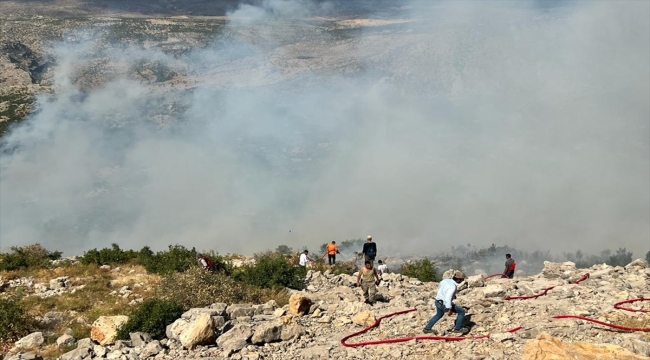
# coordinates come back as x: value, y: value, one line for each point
x: 618, y: 305
x: 493, y: 275
x: 460, y: 338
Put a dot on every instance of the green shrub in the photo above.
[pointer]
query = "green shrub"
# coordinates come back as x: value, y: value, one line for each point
x: 176, y: 259
x: 423, y: 270
x: 272, y: 270
x: 26, y: 257
x: 14, y: 323
x: 151, y: 316
x: 108, y: 256
x: 197, y: 288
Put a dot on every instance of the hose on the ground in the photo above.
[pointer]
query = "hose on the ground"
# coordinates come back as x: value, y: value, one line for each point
x: 460, y: 338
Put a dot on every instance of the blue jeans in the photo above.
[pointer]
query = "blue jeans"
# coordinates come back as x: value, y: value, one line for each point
x: 440, y: 312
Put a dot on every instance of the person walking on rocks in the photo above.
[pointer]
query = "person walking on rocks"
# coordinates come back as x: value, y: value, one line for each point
x: 444, y: 298
x: 368, y: 279
x: 509, y: 270
x: 332, y: 250
x: 369, y: 250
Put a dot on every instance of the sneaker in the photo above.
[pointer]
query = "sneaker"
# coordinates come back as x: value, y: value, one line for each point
x: 462, y: 331
x: 430, y: 331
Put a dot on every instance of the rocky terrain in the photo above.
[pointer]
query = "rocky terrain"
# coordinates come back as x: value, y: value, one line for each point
x: 312, y: 325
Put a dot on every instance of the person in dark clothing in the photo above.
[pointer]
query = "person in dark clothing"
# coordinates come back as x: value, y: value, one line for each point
x: 509, y: 270
x: 369, y: 250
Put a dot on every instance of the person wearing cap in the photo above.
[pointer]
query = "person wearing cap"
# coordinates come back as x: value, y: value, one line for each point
x: 446, y: 293
x: 369, y: 250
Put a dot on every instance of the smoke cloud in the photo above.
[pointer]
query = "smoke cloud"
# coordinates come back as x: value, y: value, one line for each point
x: 463, y: 122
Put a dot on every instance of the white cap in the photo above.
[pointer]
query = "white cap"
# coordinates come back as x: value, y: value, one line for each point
x: 369, y: 237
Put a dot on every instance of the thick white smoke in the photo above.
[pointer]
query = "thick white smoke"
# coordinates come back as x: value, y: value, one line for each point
x: 478, y: 123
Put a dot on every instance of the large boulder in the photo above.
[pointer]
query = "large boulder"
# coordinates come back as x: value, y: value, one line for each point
x: 31, y: 341
x: 554, y: 270
x: 547, y: 347
x: 299, y: 304
x: 293, y: 331
x: 198, y: 332
x: 235, y: 338
x: 104, y: 329
x: 475, y: 281
x: 493, y: 290
x: 267, y: 332
x: 175, y: 329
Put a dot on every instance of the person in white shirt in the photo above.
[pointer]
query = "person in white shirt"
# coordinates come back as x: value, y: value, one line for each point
x: 446, y: 293
x: 382, y: 268
x: 304, y: 258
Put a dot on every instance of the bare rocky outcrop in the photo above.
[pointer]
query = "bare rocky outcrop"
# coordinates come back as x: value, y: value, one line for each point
x: 321, y: 317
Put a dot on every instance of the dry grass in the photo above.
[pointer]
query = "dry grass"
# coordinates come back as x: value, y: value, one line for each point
x: 197, y: 288
x: 86, y: 304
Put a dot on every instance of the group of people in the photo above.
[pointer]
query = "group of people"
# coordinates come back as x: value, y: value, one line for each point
x: 369, y: 278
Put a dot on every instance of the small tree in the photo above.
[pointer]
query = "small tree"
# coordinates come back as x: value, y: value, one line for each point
x: 647, y: 257
x: 284, y: 250
x: 621, y: 258
x: 423, y: 270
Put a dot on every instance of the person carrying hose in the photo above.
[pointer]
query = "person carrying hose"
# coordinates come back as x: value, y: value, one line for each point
x: 446, y: 293
x: 509, y: 270
x: 332, y: 250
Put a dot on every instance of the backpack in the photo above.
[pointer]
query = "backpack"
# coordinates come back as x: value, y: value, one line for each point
x: 372, y: 251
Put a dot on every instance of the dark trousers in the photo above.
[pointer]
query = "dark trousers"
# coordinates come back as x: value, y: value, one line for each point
x: 331, y: 258
x: 510, y: 274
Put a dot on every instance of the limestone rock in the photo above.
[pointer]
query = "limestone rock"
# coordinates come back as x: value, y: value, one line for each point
x: 175, y: 329
x: 267, y: 332
x: 299, y: 304
x: 547, y: 347
x: 198, y: 332
x: 292, y: 332
x: 104, y: 329
x: 364, y: 318
x: 235, y: 338
x: 153, y: 348
x: 475, y: 281
x: 493, y: 290
x: 139, y: 339
x: 558, y: 270
x: 31, y: 341
x: 65, y: 340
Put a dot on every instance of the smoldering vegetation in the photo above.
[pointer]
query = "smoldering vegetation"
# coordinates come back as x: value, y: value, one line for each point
x: 472, y: 123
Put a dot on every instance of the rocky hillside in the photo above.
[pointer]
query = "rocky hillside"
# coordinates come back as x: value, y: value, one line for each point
x: 312, y: 325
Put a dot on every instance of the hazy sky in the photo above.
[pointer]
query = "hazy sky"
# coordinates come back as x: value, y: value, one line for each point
x: 484, y: 122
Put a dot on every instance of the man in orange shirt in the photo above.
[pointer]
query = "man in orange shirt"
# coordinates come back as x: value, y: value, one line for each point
x: 332, y: 250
